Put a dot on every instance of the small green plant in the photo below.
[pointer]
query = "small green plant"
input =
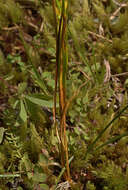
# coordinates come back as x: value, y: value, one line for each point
x: 60, y: 10
x: 88, y: 140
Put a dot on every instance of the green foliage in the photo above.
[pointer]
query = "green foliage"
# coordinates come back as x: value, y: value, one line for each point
x: 90, y: 186
x: 2, y: 130
x: 113, y: 177
x: 10, y: 11
x: 29, y: 148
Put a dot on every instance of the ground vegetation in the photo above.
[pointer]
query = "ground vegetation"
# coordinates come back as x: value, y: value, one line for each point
x: 94, y: 109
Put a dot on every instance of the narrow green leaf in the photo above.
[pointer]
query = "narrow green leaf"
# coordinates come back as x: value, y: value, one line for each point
x: 2, y: 130
x: 9, y: 175
x: 112, y: 140
x: 36, y: 76
x: 23, y: 113
x: 58, y: 4
x: 90, y: 148
x: 40, y: 102
x: 62, y: 171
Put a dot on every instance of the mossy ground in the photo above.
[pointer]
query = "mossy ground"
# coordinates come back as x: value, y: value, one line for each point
x: 98, y: 57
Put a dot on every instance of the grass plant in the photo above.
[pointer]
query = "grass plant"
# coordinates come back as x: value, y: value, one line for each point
x: 61, y: 63
x: 87, y: 147
x: 60, y: 9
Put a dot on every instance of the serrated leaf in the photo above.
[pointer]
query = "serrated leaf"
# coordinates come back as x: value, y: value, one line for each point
x: 23, y: 113
x: 2, y: 130
x: 40, y: 102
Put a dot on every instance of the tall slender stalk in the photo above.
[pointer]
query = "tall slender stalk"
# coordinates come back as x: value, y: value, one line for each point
x: 60, y: 9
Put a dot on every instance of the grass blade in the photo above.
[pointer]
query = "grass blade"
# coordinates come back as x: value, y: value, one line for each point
x: 23, y: 113
x: 112, y: 140
x: 90, y: 148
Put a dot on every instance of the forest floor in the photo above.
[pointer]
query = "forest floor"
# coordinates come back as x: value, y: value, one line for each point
x: 97, y: 85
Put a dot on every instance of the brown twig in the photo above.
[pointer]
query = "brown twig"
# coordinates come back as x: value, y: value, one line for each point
x: 120, y: 74
x: 118, y: 10
x: 99, y: 36
x: 108, y: 71
x: 10, y: 28
x: 71, y: 99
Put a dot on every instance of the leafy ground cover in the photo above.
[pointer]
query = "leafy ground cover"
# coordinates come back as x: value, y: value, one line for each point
x: 97, y: 87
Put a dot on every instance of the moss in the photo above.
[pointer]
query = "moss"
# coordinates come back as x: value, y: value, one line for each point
x: 113, y: 176
x: 10, y: 11
x: 88, y: 114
